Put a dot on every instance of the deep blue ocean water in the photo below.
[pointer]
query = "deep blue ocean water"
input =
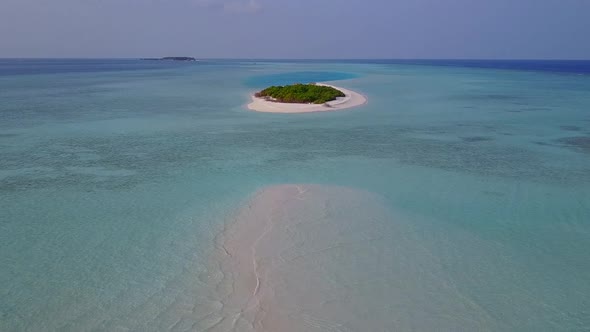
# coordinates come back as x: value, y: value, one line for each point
x: 49, y: 66
x: 55, y: 66
x: 555, y: 66
x: 117, y: 175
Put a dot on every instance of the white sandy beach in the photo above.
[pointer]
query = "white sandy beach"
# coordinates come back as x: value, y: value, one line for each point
x: 351, y: 99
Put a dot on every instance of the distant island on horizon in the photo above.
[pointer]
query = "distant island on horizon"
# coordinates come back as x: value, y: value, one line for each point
x: 172, y: 58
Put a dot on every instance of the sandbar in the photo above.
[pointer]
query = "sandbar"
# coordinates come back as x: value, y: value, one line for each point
x: 307, y: 257
x: 351, y: 99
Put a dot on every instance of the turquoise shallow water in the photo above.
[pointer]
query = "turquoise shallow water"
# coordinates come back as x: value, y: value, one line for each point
x: 114, y: 184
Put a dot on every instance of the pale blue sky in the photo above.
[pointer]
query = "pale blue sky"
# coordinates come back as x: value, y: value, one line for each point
x: 490, y: 29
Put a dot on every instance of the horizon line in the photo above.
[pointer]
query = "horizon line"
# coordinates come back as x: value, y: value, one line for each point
x: 301, y: 59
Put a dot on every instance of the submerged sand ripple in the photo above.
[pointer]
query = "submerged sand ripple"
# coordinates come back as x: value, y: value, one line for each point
x: 319, y: 258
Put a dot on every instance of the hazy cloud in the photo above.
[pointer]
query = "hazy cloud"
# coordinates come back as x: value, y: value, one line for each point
x: 236, y: 6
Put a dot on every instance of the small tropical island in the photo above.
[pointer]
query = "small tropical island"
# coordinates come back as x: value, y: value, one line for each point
x: 300, y: 94
x: 304, y: 98
x: 172, y: 58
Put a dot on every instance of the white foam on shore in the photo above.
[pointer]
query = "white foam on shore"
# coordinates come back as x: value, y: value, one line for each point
x: 320, y: 258
x: 351, y: 99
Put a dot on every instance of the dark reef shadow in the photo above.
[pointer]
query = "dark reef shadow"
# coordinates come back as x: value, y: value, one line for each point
x: 571, y: 128
x: 475, y: 139
x: 579, y: 143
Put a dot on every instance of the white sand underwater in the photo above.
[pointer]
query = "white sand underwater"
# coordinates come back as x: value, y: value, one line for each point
x: 318, y: 258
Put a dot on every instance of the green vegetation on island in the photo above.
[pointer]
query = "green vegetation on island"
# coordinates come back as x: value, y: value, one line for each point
x: 300, y: 94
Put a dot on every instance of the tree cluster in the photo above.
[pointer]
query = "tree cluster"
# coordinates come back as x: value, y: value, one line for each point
x: 300, y: 93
